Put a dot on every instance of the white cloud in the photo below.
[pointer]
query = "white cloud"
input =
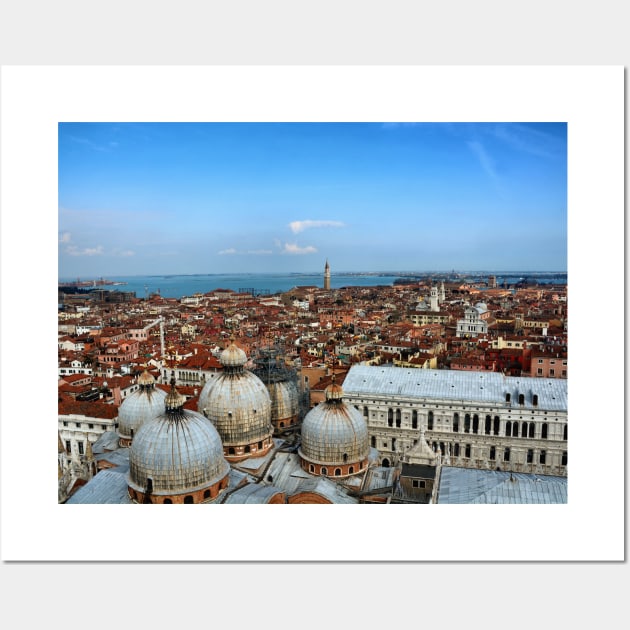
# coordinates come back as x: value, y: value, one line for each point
x: 251, y: 252
x: 73, y: 250
x: 64, y: 237
x: 482, y: 155
x: 300, y: 226
x: 292, y: 248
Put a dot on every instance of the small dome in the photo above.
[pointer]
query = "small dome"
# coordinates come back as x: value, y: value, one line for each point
x: 145, y: 379
x: 233, y: 356
x: 177, y: 453
x: 284, y: 400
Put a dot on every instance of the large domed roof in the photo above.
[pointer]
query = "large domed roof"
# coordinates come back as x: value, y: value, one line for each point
x: 238, y: 403
x: 334, y: 432
x: 177, y: 453
x: 144, y: 404
x: 239, y: 406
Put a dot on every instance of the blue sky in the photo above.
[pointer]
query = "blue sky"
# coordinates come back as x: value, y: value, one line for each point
x: 176, y: 198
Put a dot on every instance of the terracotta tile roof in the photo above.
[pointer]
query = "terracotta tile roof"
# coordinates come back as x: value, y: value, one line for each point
x: 90, y: 409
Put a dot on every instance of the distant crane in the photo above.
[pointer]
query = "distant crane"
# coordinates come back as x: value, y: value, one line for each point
x: 160, y: 321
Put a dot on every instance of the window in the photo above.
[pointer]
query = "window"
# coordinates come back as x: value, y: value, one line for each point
x: 65, y: 423
x: 565, y: 432
x: 506, y: 455
x: 497, y: 425
x: 324, y: 470
x: 80, y: 445
x: 467, y: 451
x: 68, y: 446
x: 543, y: 431
x: 552, y: 372
x: 430, y: 421
x: 493, y: 453
x: 78, y: 425
x: 90, y: 426
x: 414, y: 419
x: 488, y: 426
x: 542, y: 458
x: 456, y: 422
x: 530, y: 455
x: 418, y: 483
x: 564, y: 458
x: 398, y: 417
x: 390, y: 418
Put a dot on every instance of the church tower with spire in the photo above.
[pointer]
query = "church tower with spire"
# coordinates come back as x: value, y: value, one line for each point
x: 327, y: 276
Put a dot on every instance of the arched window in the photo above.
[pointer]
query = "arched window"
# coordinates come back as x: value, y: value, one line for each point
x: 521, y: 399
x: 337, y: 472
x: 524, y: 430
x: 167, y: 501
x: 508, y: 397
x: 488, y: 427
x: 351, y: 470
x: 247, y: 449
x: 508, y: 428
x: 311, y: 468
x: 543, y: 432
x: 188, y: 499
x: 345, y: 457
x: 324, y: 470
x: 532, y: 427
x: 231, y: 450
x: 497, y: 425
x: 397, y: 417
x: 206, y: 494
x: 456, y: 422
x: 373, y: 441
x: 414, y: 419
x: 515, y: 429
x: 467, y: 423
x: 390, y: 418
x: 430, y: 421
x: 365, y: 411
x: 385, y: 463
x: 565, y: 432
x: 475, y: 424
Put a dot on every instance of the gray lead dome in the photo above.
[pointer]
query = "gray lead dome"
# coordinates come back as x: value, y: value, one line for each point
x: 144, y: 404
x: 334, y: 433
x: 179, y: 452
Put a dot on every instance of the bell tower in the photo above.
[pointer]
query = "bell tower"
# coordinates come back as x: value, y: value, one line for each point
x: 327, y: 276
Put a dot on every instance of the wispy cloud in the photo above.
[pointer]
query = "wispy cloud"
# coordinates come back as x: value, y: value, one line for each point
x: 250, y: 252
x: 73, y: 250
x: 293, y: 248
x: 300, y: 226
x: 487, y: 163
x: 64, y: 237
